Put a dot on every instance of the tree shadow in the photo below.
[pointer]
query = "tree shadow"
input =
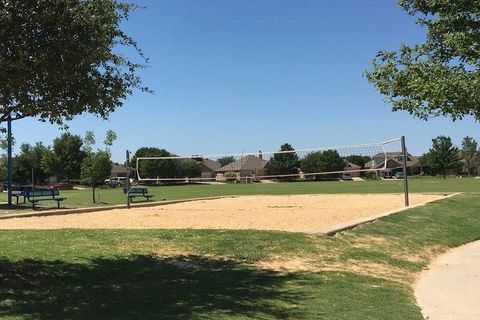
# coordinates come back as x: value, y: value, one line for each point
x: 143, y: 287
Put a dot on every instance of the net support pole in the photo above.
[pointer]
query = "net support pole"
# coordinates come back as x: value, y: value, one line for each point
x: 405, y: 178
x: 127, y: 180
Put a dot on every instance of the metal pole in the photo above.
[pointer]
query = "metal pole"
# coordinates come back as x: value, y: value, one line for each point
x: 405, y: 179
x: 127, y: 180
x: 9, y: 160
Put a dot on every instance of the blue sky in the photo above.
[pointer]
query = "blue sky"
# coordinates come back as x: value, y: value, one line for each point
x: 241, y: 75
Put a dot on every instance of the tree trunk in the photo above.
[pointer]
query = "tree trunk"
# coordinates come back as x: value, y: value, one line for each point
x: 93, y: 193
x: 444, y: 173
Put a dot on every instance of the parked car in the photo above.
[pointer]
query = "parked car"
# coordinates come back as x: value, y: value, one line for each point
x: 399, y: 175
x: 117, y: 181
x: 61, y: 186
x: 346, y: 176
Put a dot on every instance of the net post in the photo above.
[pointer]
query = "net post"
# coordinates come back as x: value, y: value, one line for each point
x: 127, y: 180
x: 405, y: 179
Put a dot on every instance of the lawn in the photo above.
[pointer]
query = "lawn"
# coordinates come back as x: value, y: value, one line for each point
x: 115, y: 196
x: 364, y: 273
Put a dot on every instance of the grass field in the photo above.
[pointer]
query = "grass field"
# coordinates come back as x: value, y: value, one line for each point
x: 364, y: 273
x: 115, y: 196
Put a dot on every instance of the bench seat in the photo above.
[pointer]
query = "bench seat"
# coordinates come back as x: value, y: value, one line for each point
x: 35, y: 196
x: 138, y: 192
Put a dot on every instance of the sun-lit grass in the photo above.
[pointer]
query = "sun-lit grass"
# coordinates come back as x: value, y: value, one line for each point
x: 364, y: 273
x: 115, y: 196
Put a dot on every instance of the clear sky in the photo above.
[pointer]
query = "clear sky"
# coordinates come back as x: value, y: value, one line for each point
x: 243, y: 75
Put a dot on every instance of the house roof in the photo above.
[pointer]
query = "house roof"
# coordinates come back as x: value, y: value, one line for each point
x: 211, y: 164
x: 351, y: 165
x: 392, y: 162
x: 247, y: 163
x: 116, y: 168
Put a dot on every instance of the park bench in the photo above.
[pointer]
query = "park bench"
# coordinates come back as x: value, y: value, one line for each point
x: 21, y: 192
x: 35, y: 196
x: 138, y: 192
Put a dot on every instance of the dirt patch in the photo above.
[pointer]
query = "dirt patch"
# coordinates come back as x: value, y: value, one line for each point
x: 299, y: 264
x: 296, y: 213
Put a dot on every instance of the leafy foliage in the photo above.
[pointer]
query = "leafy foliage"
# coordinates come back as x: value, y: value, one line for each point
x: 57, y: 58
x: 30, y: 157
x: 470, y: 155
x: 155, y: 168
x: 66, y: 156
x: 226, y: 160
x: 443, y: 155
x: 284, y: 163
x: 189, y: 168
x: 96, y: 167
x: 440, y: 76
x: 326, y: 161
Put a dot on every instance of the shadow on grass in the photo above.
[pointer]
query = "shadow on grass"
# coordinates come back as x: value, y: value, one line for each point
x: 142, y: 287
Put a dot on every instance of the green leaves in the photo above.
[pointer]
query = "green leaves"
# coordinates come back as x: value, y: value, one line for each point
x: 285, y: 163
x: 57, y: 58
x: 440, y: 77
x: 443, y: 155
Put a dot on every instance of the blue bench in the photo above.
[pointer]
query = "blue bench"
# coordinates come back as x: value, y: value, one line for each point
x: 35, y: 196
x: 21, y: 192
x: 138, y: 192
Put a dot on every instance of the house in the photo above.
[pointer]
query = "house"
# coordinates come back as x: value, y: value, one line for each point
x: 248, y: 166
x: 208, y: 168
x: 118, y: 171
x: 394, y: 163
x: 352, y: 167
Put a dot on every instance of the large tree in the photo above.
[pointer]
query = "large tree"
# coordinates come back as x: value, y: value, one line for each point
x: 65, y: 157
x: 284, y: 162
x: 442, y: 75
x: 30, y: 158
x: 58, y: 58
x: 156, y: 168
x: 326, y: 161
x: 443, y: 155
x: 470, y: 155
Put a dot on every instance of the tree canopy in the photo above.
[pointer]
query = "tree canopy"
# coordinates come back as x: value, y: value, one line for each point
x: 326, y: 161
x: 470, y: 155
x: 66, y: 156
x: 285, y: 163
x: 440, y: 76
x: 443, y: 155
x: 58, y: 58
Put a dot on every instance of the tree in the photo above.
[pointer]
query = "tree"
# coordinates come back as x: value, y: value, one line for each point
x: 327, y: 161
x: 66, y: 156
x: 156, y: 168
x: 96, y: 167
x: 189, y: 168
x: 284, y: 163
x: 58, y: 59
x: 443, y: 155
x: 440, y: 76
x: 226, y: 160
x: 30, y: 158
x: 470, y: 155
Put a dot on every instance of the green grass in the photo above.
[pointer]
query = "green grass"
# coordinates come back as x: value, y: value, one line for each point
x: 364, y: 273
x: 115, y: 196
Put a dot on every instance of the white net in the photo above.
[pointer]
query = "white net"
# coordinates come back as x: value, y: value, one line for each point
x: 287, y: 163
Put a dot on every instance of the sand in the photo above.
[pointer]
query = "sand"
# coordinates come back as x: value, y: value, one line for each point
x: 296, y: 213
